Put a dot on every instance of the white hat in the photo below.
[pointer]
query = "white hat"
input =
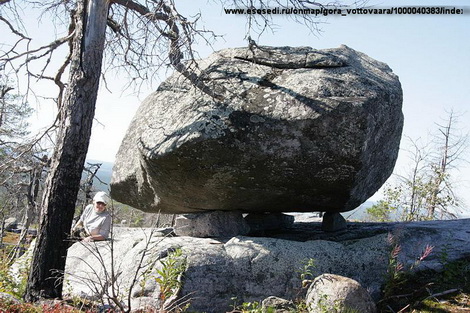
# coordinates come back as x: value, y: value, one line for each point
x: 101, y: 196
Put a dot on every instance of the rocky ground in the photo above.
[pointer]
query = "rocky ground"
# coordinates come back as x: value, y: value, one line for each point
x: 410, y: 291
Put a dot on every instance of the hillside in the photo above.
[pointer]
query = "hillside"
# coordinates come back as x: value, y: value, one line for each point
x: 104, y: 175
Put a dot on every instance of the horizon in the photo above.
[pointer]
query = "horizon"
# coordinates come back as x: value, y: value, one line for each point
x: 429, y: 53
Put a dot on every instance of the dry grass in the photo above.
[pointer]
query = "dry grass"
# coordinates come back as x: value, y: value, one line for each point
x: 10, y: 238
x: 426, y: 292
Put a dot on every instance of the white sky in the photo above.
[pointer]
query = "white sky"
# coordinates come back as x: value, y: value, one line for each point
x: 430, y: 54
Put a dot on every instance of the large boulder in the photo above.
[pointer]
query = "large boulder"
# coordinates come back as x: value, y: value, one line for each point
x: 297, y: 129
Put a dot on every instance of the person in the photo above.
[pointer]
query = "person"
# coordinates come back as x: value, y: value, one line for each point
x: 95, y: 222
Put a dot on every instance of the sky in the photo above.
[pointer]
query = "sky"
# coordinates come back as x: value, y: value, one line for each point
x: 429, y: 53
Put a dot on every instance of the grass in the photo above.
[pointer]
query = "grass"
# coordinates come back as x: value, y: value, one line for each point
x: 428, y: 291
x: 10, y: 238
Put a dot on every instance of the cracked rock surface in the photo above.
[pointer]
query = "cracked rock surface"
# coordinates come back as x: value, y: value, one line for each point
x: 298, y: 130
x: 253, y: 268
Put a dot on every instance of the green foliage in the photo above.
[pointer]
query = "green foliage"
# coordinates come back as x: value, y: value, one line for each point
x: 256, y: 307
x: 131, y: 217
x: 426, y: 190
x: 431, y: 291
x: 306, y: 272
x: 169, y: 279
x: 8, y: 284
x: 253, y: 307
x: 396, y: 277
x: 397, y: 273
x: 455, y: 273
x: 382, y: 211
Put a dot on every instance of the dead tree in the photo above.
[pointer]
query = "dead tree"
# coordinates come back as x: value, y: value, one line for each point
x: 449, y: 146
x: 77, y: 113
x: 142, y: 36
x: 32, y: 194
x: 87, y: 185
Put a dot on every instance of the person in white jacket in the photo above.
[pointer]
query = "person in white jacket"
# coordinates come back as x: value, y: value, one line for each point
x: 95, y: 222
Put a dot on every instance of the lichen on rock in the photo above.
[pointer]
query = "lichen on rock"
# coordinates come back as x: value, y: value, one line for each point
x: 299, y: 129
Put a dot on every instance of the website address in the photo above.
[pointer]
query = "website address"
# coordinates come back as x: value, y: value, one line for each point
x: 350, y: 11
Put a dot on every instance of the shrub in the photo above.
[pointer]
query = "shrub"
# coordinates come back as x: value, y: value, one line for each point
x: 169, y: 279
x: 8, y: 306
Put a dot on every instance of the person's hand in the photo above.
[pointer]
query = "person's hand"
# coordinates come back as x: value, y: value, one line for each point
x: 88, y: 239
x: 77, y: 225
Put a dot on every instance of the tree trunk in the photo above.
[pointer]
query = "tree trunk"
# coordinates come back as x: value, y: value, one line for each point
x: 87, y: 186
x: 440, y: 170
x: 63, y: 182
x: 32, y: 195
x: 2, y: 225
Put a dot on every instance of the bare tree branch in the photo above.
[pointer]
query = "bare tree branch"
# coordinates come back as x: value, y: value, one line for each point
x: 177, y: 30
x: 49, y: 48
x: 13, y: 30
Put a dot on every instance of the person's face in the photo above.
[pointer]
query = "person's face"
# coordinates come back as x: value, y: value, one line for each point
x: 100, y: 206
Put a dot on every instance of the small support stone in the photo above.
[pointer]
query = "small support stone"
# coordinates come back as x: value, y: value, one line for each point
x: 333, y: 222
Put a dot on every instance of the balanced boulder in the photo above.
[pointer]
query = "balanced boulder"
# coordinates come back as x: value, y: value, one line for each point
x: 289, y: 130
